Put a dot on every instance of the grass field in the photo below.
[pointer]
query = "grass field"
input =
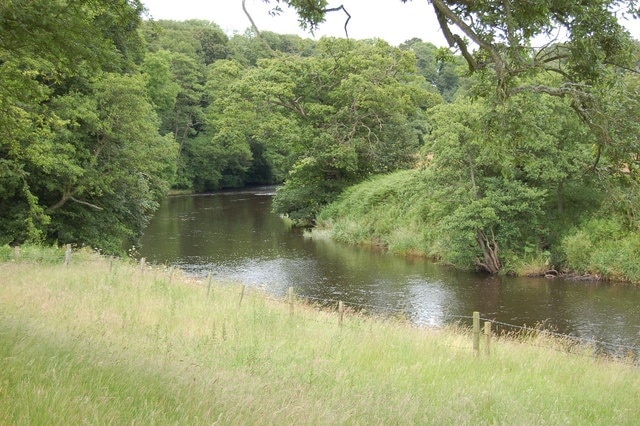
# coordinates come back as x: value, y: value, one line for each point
x: 106, y: 342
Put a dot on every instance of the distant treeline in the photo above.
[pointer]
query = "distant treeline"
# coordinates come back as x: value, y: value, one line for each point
x: 532, y: 159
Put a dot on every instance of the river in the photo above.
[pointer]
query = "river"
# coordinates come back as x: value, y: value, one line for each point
x: 236, y: 236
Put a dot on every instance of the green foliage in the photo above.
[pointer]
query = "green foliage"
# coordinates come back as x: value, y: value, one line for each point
x: 348, y: 110
x: 162, y: 88
x: 362, y: 123
x: 404, y: 212
x: 307, y: 191
x: 438, y: 66
x: 101, y: 112
x: 603, y: 247
x: 385, y: 210
x: 81, y: 158
x: 502, y: 170
x: 112, y: 168
x: 353, y: 107
x: 203, y: 41
x: 506, y: 184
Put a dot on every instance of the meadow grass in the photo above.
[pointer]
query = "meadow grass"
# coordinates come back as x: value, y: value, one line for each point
x: 103, y: 341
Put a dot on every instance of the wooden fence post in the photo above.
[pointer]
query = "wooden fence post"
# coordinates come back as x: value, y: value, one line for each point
x: 476, y: 333
x: 241, y: 295
x: 209, y: 279
x: 16, y: 252
x: 290, y: 298
x: 143, y: 263
x: 487, y: 337
x: 340, y: 313
x: 67, y: 255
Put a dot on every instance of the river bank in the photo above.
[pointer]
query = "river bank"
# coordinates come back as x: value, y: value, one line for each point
x: 399, y: 213
x: 106, y: 341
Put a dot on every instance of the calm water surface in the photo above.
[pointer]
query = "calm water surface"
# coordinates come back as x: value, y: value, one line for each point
x: 235, y: 235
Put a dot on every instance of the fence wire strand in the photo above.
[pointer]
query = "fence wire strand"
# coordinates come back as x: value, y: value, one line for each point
x: 584, y: 341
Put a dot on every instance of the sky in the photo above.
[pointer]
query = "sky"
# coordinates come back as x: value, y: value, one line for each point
x: 390, y: 20
x: 369, y: 18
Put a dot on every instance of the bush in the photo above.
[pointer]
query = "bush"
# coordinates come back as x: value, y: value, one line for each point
x: 603, y: 247
x: 32, y: 253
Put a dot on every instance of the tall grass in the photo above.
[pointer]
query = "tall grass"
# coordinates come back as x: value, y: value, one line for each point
x: 602, y: 247
x: 386, y: 210
x: 103, y: 341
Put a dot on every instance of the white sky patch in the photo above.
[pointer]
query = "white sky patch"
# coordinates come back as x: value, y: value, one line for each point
x: 390, y: 20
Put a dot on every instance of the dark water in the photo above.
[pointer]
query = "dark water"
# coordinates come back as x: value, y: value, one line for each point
x: 235, y: 235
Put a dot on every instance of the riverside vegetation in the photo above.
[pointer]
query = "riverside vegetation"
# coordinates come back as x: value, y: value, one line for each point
x: 404, y: 213
x: 105, y: 341
x: 532, y: 149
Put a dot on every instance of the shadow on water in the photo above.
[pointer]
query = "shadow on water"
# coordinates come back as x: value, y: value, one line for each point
x: 236, y: 236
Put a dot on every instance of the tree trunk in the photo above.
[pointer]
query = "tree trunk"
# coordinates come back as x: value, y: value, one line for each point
x: 490, y: 250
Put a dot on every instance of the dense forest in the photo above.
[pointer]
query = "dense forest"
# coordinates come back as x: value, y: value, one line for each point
x: 492, y: 154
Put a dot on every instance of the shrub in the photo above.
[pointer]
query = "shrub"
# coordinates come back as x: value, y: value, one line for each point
x: 603, y: 247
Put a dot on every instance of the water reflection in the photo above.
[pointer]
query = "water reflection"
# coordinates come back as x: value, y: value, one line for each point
x: 235, y: 235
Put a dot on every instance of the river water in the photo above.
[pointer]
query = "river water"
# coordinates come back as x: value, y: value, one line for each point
x: 236, y: 236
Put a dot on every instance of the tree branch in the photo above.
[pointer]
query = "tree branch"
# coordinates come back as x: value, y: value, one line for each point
x: 346, y: 23
x: 85, y: 203
x: 441, y: 7
x: 455, y: 40
x: 68, y: 196
x: 255, y: 27
x: 581, y: 98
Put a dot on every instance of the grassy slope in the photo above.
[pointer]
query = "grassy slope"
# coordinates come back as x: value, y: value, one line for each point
x: 393, y: 211
x: 96, y: 342
x: 387, y: 210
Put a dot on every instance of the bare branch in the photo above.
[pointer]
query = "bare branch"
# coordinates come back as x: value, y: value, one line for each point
x: 85, y: 203
x: 68, y: 196
x: 442, y: 7
x: 509, y: 21
x: 455, y: 40
x: 246, y: 12
x: 564, y: 90
x: 346, y: 23
x: 255, y: 27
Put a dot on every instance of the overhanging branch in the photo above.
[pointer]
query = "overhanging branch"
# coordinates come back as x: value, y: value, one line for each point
x: 346, y: 23
x: 68, y: 196
x: 441, y: 7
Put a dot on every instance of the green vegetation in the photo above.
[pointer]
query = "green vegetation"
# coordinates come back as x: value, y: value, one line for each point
x: 531, y: 151
x: 102, y: 341
x: 401, y: 212
x: 81, y: 157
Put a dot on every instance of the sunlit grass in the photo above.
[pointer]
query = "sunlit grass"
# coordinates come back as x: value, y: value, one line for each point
x: 103, y: 341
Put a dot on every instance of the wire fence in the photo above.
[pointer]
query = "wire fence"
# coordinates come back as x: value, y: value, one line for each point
x: 621, y: 352
x: 583, y: 346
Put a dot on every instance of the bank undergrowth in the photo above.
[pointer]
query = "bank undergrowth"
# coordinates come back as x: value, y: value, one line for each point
x: 402, y: 213
x: 104, y: 341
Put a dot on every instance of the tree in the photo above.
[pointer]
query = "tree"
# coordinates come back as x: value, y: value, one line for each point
x: 103, y: 172
x: 502, y: 33
x: 161, y: 85
x: 352, y: 109
x: 547, y: 117
x: 81, y: 160
x: 509, y: 179
x: 438, y: 66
